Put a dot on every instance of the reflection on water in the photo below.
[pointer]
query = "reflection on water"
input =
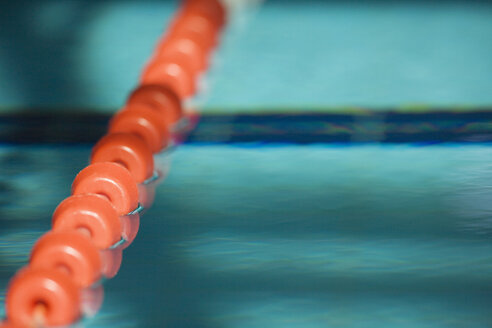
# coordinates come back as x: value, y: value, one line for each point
x: 284, y: 236
x: 342, y: 257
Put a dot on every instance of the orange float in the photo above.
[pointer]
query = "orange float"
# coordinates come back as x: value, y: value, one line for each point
x: 211, y: 8
x: 128, y: 150
x: 42, y: 297
x: 171, y: 70
x: 5, y: 324
x: 160, y: 98
x: 110, y: 180
x: 193, y: 53
x: 146, y: 194
x: 142, y: 121
x: 69, y: 252
x: 92, y: 214
x: 130, y: 224
x: 196, y: 26
x: 111, y: 261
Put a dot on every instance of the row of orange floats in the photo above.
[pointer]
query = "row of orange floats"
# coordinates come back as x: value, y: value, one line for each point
x: 62, y: 282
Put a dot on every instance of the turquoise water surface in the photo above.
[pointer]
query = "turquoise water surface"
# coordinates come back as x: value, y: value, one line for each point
x: 285, y: 236
x: 286, y: 53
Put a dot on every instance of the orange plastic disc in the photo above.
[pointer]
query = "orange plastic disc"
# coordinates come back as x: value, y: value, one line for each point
x: 41, y: 296
x: 171, y: 70
x: 130, y: 224
x: 110, y: 180
x: 188, y: 49
x: 5, y: 324
x: 212, y: 8
x: 196, y: 26
x: 112, y: 261
x: 128, y: 150
x: 89, y: 213
x: 160, y: 98
x: 69, y: 252
x: 146, y: 194
x: 143, y: 121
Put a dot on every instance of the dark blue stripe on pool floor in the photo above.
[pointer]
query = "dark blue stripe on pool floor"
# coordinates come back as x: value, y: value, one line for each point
x: 77, y: 126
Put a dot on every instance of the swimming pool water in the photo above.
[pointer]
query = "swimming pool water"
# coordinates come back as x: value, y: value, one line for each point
x: 284, y: 236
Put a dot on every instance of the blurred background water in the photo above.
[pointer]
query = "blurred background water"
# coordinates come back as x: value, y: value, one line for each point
x: 288, y: 53
x: 303, y: 233
x: 297, y: 236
